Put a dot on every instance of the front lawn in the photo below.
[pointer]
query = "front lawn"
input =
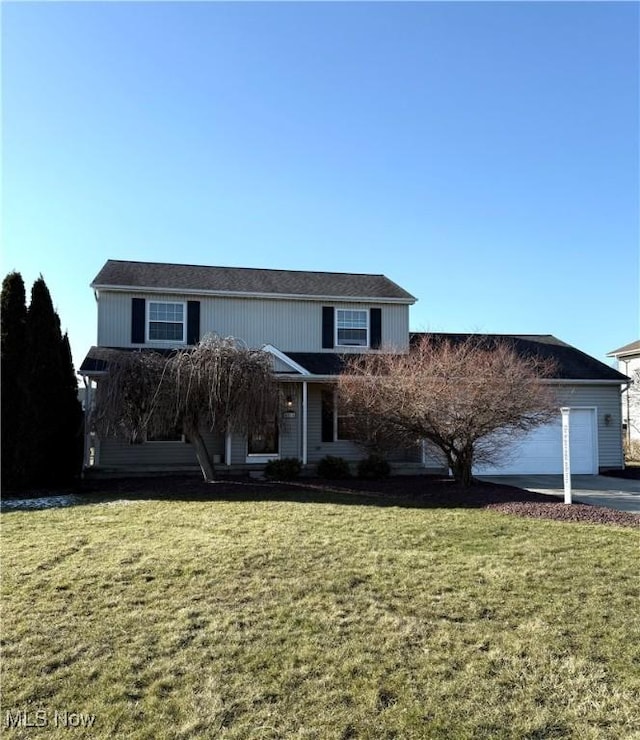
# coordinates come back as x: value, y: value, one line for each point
x: 317, y: 616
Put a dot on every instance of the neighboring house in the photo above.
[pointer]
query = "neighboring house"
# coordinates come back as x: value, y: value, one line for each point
x: 308, y: 321
x: 628, y: 359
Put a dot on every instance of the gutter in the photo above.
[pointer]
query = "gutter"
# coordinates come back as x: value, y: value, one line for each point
x: 564, y: 381
x: 244, y: 294
x: 289, y: 377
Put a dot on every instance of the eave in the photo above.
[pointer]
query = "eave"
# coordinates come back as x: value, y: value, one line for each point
x: 574, y: 381
x: 255, y: 295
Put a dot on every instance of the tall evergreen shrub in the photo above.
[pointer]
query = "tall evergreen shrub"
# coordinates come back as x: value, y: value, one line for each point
x: 13, y: 317
x: 41, y: 413
x: 54, y: 411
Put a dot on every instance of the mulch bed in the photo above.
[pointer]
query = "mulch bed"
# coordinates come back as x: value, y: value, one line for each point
x: 420, y: 491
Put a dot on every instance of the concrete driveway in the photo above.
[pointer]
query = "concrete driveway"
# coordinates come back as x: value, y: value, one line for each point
x: 601, y: 490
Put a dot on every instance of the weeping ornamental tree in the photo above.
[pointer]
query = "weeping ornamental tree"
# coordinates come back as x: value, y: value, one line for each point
x: 217, y: 385
x: 469, y: 398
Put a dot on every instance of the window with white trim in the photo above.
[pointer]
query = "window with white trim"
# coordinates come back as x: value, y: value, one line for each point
x: 336, y: 423
x: 352, y: 327
x: 166, y: 322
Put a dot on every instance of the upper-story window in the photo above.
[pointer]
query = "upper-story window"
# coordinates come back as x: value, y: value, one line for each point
x: 352, y: 328
x: 166, y: 322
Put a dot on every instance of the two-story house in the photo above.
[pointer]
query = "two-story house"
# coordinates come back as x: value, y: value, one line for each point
x: 308, y: 321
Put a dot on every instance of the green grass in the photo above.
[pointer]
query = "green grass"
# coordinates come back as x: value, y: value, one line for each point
x: 293, y: 619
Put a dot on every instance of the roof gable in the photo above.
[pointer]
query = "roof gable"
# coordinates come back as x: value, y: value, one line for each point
x: 124, y: 275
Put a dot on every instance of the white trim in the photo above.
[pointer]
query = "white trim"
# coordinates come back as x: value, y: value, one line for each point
x: 242, y: 294
x: 147, y: 317
x: 95, y: 373
x: 564, y: 381
x: 257, y: 459
x: 596, y: 435
x: 285, y: 358
x: 630, y: 353
x: 336, y: 403
x: 305, y: 441
x: 309, y: 378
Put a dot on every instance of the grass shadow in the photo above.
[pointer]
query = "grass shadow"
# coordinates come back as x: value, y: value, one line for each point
x: 419, y: 492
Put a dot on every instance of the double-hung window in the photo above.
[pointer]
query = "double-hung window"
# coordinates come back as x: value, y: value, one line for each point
x: 337, y: 424
x: 344, y: 421
x: 166, y: 322
x: 352, y: 328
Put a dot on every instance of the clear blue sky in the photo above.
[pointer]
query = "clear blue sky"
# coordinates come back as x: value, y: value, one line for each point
x: 482, y: 155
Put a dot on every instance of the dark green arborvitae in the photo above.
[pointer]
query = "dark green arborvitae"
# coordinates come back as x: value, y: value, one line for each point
x: 54, y: 411
x: 13, y: 343
x: 70, y: 452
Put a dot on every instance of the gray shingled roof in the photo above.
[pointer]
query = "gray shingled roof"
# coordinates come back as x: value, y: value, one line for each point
x: 98, y: 359
x: 570, y: 363
x: 140, y: 275
x: 631, y: 348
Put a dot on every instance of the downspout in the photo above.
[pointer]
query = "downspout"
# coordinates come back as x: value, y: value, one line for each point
x: 227, y: 449
x: 87, y: 415
x: 628, y: 395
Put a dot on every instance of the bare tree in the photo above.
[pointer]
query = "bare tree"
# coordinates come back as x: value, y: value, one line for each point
x: 217, y: 385
x: 467, y: 397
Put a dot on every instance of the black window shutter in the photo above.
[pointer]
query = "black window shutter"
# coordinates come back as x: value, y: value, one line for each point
x: 375, y: 328
x: 327, y: 416
x: 193, y: 322
x: 137, y: 320
x: 327, y: 327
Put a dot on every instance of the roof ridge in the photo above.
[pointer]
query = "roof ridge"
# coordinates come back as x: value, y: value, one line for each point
x: 486, y: 334
x: 262, y: 269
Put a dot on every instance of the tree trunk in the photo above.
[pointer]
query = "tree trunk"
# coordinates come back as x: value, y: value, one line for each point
x: 461, y: 466
x: 202, y: 454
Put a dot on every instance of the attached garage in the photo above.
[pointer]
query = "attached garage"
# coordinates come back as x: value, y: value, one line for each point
x: 540, y: 451
x: 587, y: 386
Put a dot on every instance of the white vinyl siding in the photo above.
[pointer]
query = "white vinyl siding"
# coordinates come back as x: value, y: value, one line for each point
x: 289, y: 325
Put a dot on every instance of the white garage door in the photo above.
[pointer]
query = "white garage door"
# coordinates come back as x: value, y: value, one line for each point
x: 540, y: 451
